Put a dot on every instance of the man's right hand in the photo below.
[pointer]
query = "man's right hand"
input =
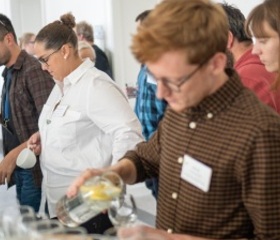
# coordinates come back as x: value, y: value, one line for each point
x: 79, y: 181
x: 125, y: 168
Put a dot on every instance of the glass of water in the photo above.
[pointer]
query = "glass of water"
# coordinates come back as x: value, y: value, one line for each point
x: 122, y: 213
x: 13, y: 218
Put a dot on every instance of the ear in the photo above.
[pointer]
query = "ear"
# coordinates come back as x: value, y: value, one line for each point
x: 230, y: 40
x: 217, y: 63
x: 9, y: 38
x: 65, y: 51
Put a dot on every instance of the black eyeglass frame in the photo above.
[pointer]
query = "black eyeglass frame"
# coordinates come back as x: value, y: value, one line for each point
x: 47, y: 58
x: 176, y: 87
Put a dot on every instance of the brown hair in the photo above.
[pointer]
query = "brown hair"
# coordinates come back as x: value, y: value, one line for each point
x: 199, y: 27
x: 268, y: 11
x: 85, y: 29
x: 58, y: 33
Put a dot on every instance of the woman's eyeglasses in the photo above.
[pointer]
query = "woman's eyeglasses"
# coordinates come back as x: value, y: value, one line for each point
x: 47, y: 58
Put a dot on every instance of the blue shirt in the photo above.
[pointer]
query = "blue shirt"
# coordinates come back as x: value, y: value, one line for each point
x: 148, y: 108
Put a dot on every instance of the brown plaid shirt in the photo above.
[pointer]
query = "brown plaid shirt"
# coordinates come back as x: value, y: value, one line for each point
x: 30, y: 88
x: 239, y: 138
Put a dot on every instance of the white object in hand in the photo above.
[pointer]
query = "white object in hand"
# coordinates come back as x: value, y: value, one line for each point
x: 26, y: 159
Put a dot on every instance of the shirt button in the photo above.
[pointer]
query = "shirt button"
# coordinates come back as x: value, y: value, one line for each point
x: 180, y: 160
x: 169, y: 230
x: 174, y: 195
x: 209, y: 115
x: 192, y: 125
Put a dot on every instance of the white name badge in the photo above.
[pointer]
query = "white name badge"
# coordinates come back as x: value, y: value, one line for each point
x: 60, y: 110
x: 196, y: 173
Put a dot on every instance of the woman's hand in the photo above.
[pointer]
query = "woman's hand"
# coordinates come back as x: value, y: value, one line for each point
x: 34, y: 143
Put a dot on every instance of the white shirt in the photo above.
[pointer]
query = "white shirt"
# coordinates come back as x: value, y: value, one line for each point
x: 85, y: 123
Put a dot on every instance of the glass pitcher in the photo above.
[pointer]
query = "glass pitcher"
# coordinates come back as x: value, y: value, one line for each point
x: 94, y: 196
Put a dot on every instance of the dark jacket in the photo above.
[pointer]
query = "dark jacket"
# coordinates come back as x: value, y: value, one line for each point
x: 101, y: 61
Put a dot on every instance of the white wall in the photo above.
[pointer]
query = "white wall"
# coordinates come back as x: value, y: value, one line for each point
x: 25, y: 15
x: 5, y: 7
x: 92, y: 11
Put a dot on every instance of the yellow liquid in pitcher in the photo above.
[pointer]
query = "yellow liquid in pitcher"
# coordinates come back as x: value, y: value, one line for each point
x: 100, y: 192
x: 91, y: 200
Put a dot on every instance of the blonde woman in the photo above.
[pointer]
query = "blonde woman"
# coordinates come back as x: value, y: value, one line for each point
x: 26, y: 42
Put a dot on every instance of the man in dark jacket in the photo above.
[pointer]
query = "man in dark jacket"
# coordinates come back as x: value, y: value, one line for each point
x: 25, y: 91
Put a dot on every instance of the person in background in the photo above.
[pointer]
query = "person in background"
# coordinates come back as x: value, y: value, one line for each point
x: 86, y: 51
x: 86, y: 122
x: 148, y: 108
x: 84, y: 32
x: 217, y: 149
x: 264, y: 25
x: 26, y: 42
x: 251, y: 70
x: 25, y: 91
